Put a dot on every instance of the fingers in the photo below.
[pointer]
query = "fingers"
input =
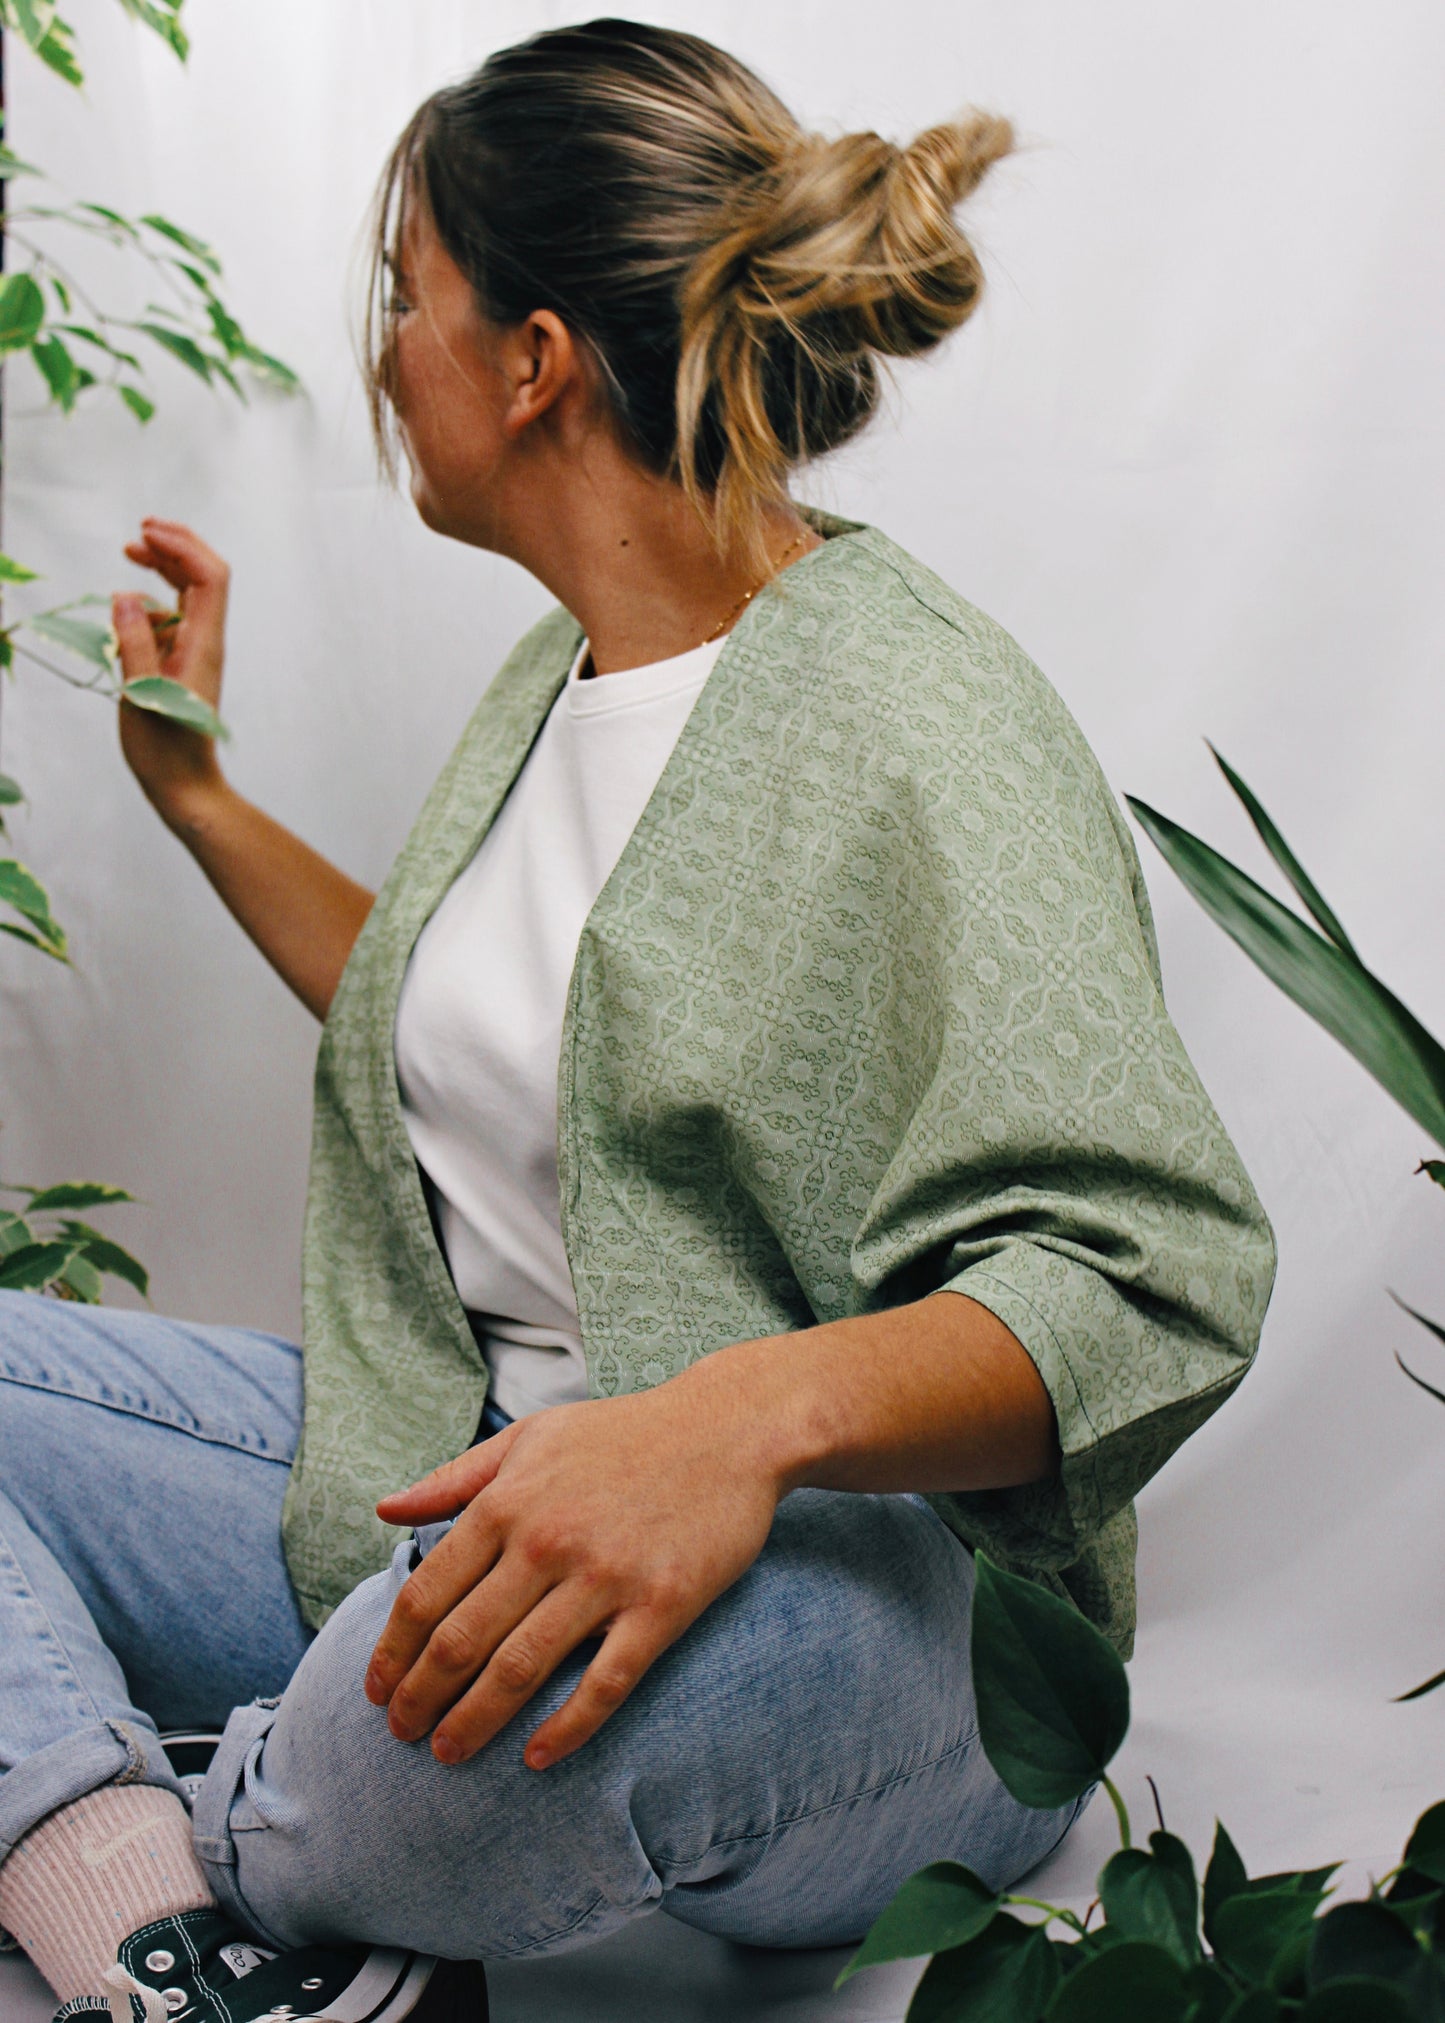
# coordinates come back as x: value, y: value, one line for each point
x: 137, y: 642
x: 524, y: 1661
x: 450, y: 1572
x: 634, y: 1643
x: 449, y: 1488
x: 186, y: 562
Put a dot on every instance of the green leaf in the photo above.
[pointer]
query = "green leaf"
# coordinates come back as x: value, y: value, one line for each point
x: 1277, y: 847
x: 173, y: 699
x: 58, y: 51
x: 197, y: 248
x: 11, y: 165
x: 21, y: 890
x: 22, y: 311
x: 61, y: 293
x: 161, y: 15
x: 110, y: 1257
x: 34, y: 19
x: 1208, y: 1994
x: 114, y: 218
x: 34, y: 941
x: 12, y: 571
x: 14, y: 1231
x: 1255, y: 2005
x: 88, y: 336
x: 1007, y: 1973
x: 1334, y: 988
x: 10, y: 794
x: 77, y: 635
x: 136, y: 401
x: 1224, y: 1878
x: 83, y: 1280
x: 1261, y: 1935
x: 34, y: 1265
x: 1368, y: 1941
x: 75, y: 1194
x: 1420, y: 1381
x: 1154, y: 1896
x: 1135, y: 1980
x: 1435, y: 1168
x: 1419, y: 1692
x: 940, y: 1906
x: 1425, y: 1849
x: 180, y: 346
x: 62, y: 374
x: 1358, y: 2002
x: 273, y: 369
x: 1052, y: 1696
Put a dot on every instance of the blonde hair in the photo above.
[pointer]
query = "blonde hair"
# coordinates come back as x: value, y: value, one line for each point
x: 735, y: 278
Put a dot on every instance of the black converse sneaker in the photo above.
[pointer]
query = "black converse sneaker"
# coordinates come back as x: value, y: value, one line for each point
x: 198, y: 1967
x: 189, y: 1752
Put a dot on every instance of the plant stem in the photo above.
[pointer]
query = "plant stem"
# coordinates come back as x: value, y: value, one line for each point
x: 1037, y: 1904
x: 1120, y: 1810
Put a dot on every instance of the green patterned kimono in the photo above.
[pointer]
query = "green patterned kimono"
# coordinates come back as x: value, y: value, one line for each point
x: 870, y: 1006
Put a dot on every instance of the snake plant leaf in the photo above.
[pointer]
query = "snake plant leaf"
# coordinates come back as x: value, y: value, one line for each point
x: 34, y: 1266
x: 158, y: 693
x: 1277, y: 847
x: 1052, y: 1694
x: 1134, y: 1979
x: 1336, y: 989
x: 1154, y: 1896
x: 1004, y: 1975
x: 22, y: 311
x: 940, y: 1906
x: 75, y: 1194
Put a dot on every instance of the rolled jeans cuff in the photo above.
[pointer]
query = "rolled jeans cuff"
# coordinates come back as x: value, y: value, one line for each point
x: 106, y: 1752
x: 227, y: 1779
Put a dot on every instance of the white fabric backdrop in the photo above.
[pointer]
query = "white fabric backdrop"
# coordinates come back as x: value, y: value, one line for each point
x: 1191, y: 451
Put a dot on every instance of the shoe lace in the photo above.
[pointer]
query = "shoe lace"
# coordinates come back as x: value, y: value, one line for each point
x: 120, y: 1986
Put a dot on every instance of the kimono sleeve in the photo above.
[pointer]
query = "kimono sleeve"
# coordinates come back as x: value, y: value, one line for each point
x: 1062, y: 1164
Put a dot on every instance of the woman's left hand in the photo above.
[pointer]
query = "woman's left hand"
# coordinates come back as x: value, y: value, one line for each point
x: 618, y: 1517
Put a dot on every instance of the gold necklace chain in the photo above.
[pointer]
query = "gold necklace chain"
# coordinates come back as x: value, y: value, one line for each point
x: 749, y: 595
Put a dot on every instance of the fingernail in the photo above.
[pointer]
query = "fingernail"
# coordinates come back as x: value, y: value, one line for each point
x: 539, y: 1759
x: 372, y: 1687
x: 127, y: 605
x: 445, y: 1750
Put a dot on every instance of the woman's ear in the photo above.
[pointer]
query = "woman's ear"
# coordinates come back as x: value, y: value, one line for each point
x: 541, y: 362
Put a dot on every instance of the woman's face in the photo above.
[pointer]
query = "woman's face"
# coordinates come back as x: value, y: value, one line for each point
x: 449, y: 388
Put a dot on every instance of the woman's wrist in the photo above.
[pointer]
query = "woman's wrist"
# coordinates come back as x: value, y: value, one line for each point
x: 194, y: 808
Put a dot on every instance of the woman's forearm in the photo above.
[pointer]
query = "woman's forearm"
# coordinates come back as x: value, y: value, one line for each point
x: 301, y: 912
x: 936, y: 1395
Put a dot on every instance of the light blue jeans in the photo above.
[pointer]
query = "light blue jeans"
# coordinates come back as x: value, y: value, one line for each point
x: 806, y: 1745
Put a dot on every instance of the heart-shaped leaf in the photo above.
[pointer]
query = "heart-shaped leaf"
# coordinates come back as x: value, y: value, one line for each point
x: 1358, y: 2001
x: 1051, y: 1693
x: 1262, y: 1934
x: 1136, y: 1980
x: 1004, y: 1975
x: 1425, y: 1849
x: 1154, y: 1896
x: 940, y: 1906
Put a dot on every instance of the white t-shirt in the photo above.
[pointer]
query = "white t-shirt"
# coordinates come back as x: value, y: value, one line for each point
x: 479, y: 1023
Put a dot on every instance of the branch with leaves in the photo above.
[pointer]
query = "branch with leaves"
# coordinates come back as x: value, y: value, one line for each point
x: 76, y: 345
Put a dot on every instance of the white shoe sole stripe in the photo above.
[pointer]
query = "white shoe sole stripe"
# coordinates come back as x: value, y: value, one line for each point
x: 380, y: 1981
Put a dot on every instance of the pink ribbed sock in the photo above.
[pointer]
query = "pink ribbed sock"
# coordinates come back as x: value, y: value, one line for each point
x: 93, y: 1873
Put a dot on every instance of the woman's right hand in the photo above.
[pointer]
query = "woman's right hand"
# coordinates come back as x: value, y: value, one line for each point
x: 176, y: 767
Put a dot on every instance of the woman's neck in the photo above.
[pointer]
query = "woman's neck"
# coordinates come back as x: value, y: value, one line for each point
x: 631, y: 560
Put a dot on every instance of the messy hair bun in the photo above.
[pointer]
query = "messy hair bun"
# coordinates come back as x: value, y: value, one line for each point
x: 735, y: 278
